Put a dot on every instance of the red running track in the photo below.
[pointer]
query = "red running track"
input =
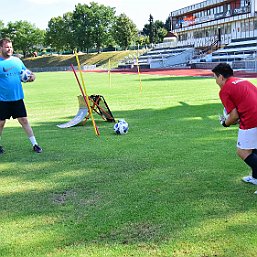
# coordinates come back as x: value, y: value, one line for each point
x: 179, y: 72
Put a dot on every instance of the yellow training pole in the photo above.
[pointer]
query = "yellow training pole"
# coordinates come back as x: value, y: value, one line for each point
x: 109, y: 73
x: 87, y: 99
x: 139, y: 75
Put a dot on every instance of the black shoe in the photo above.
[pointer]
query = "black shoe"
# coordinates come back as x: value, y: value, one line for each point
x: 37, y: 149
x: 1, y: 150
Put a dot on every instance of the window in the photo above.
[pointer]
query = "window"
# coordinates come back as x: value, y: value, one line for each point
x: 197, y: 34
x: 243, y: 27
x: 255, y: 24
x: 228, y: 29
x: 183, y: 37
x: 251, y: 26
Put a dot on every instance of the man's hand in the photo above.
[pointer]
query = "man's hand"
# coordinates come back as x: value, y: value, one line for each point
x: 222, y: 120
x: 32, y: 77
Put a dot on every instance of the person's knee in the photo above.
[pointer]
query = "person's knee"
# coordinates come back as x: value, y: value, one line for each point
x: 243, y: 153
x: 23, y: 121
x: 238, y: 151
x: 2, y: 122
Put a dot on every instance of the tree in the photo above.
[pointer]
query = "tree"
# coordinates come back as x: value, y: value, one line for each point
x: 151, y: 29
x: 154, y: 30
x: 101, y: 24
x: 58, y: 33
x: 124, y: 31
x: 91, y: 25
x: 159, y: 31
x: 167, y: 24
x: 82, y: 27
x: 25, y: 36
x: 1, y: 28
x: 142, y: 40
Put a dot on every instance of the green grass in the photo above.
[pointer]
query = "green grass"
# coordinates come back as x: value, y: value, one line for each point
x: 101, y: 59
x: 170, y: 187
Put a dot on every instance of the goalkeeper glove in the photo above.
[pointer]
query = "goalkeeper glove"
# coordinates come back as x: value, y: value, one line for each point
x: 222, y: 120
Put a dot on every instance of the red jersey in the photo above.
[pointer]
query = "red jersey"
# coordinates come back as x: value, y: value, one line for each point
x: 242, y: 95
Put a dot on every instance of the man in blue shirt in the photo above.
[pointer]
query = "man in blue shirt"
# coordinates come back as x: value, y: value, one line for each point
x: 11, y: 92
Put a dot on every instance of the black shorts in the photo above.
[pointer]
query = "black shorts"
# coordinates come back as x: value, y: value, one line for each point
x: 15, y: 109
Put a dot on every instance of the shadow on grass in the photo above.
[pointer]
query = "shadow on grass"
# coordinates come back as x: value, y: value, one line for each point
x: 169, y: 176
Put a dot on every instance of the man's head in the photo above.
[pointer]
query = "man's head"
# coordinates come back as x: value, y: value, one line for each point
x: 6, y: 49
x: 222, y: 72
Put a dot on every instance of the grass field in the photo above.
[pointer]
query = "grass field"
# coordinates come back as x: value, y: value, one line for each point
x: 170, y: 187
x: 101, y: 60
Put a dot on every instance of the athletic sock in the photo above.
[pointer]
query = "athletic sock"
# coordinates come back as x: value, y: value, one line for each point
x: 251, y: 160
x: 33, y: 140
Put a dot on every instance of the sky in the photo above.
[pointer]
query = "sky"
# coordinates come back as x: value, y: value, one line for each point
x: 39, y: 12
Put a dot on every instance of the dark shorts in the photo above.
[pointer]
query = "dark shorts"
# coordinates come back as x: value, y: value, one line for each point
x: 15, y: 109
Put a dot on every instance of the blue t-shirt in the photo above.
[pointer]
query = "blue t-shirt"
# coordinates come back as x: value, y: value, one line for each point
x: 10, y: 82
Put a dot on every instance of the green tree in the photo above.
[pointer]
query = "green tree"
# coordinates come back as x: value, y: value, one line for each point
x: 124, y: 31
x: 25, y: 36
x: 159, y: 31
x: 167, y: 24
x: 59, y: 33
x: 151, y: 29
x: 91, y: 25
x: 154, y: 30
x: 101, y: 24
x: 88, y: 26
x: 142, y: 40
x: 82, y: 27
x: 1, y: 28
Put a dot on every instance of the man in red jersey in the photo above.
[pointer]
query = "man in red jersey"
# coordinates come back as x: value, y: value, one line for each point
x: 239, y: 98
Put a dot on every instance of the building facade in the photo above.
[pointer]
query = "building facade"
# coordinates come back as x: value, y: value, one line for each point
x: 215, y: 22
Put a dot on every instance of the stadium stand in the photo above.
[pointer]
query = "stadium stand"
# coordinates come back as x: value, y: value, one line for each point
x: 237, y: 53
x: 237, y: 50
x: 162, y: 57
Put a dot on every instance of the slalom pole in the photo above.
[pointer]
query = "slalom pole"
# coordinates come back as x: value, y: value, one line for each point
x: 86, y: 100
x: 84, y: 93
x: 80, y: 87
x: 109, y: 72
x: 80, y: 73
x: 139, y: 75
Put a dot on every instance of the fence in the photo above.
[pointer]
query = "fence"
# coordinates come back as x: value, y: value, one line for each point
x: 62, y: 68
x: 251, y: 65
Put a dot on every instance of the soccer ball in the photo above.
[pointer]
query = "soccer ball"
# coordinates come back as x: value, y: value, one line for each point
x: 121, y: 127
x: 25, y: 75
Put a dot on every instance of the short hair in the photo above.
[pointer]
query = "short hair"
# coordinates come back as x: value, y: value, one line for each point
x: 223, y: 69
x: 5, y: 40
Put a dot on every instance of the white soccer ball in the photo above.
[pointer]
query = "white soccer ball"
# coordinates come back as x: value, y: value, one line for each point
x: 121, y: 127
x: 25, y: 75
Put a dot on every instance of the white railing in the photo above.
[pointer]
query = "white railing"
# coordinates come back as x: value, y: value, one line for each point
x: 173, y: 60
x: 166, y: 45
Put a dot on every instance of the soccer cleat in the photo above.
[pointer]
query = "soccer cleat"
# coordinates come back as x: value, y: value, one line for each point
x: 1, y: 150
x: 37, y: 149
x: 250, y: 179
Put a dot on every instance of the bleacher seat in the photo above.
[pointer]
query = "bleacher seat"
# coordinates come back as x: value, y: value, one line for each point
x: 237, y: 50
